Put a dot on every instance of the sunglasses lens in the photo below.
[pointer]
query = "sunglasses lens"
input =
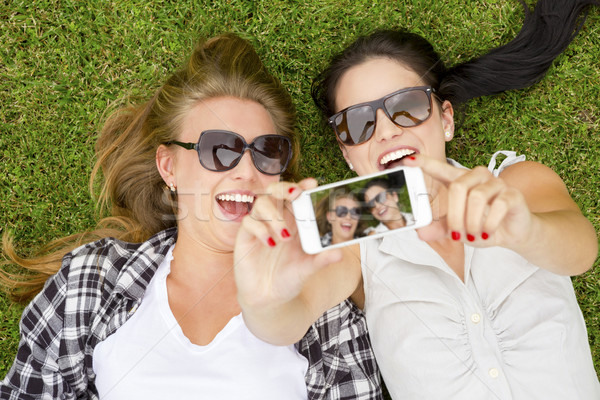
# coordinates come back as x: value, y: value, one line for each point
x: 408, y: 108
x: 341, y: 211
x: 355, y: 125
x: 380, y: 198
x: 219, y: 151
x: 271, y: 153
x: 222, y: 150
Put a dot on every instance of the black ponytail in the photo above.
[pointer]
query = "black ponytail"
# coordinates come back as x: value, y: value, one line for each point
x: 545, y: 34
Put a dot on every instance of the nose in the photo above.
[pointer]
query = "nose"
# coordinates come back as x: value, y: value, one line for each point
x: 385, y: 129
x: 245, y: 168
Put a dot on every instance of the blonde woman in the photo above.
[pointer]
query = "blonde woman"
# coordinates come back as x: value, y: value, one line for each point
x: 339, y: 218
x: 150, y: 310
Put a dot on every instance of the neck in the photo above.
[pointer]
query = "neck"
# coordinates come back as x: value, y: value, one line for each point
x: 396, y: 223
x: 194, y: 259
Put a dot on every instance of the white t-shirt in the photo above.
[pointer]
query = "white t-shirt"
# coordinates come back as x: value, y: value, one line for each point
x: 511, y: 330
x: 149, y: 357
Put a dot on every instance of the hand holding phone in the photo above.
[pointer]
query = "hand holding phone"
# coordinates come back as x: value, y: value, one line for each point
x: 360, y: 208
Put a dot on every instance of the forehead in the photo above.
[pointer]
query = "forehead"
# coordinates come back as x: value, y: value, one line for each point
x: 374, y: 190
x: 345, y: 201
x: 245, y: 117
x: 372, y: 80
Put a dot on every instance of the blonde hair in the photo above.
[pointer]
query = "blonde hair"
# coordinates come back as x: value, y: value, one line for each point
x: 131, y: 191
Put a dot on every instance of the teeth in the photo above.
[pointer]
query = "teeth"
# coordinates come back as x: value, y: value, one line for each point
x: 239, y: 198
x: 395, y: 155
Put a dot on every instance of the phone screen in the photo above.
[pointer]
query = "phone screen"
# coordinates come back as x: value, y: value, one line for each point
x: 362, y: 208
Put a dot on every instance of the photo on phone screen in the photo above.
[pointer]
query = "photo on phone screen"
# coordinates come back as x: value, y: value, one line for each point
x: 360, y: 208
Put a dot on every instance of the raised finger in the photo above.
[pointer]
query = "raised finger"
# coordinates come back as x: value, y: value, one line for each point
x: 437, y: 169
x: 458, y: 195
x: 501, y: 207
x: 290, y: 190
x: 254, y: 229
x: 478, y: 203
x: 271, y: 213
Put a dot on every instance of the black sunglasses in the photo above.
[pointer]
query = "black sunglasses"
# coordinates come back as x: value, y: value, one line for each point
x: 342, y: 211
x: 380, y: 198
x: 220, y: 150
x: 406, y: 108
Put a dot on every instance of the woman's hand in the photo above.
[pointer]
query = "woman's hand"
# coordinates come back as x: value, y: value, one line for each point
x: 527, y: 209
x: 272, y: 270
x: 474, y: 206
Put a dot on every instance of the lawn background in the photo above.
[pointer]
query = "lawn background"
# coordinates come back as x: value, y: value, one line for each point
x: 62, y: 63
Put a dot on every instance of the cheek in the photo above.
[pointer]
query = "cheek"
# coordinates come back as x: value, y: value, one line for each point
x: 266, y: 180
x: 359, y: 157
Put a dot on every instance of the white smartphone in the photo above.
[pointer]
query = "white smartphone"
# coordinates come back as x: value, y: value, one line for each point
x: 362, y: 208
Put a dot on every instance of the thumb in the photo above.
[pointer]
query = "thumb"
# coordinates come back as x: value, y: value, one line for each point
x: 320, y: 261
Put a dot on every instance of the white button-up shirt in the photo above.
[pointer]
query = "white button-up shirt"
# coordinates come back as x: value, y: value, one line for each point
x: 511, y: 330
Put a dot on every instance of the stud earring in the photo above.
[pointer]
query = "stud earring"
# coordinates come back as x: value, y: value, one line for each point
x: 448, y: 134
x: 350, y: 166
x: 172, y: 187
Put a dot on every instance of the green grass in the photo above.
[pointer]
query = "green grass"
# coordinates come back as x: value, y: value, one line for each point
x: 62, y: 63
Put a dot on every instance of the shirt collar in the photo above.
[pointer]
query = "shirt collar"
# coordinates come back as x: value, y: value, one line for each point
x: 141, y: 262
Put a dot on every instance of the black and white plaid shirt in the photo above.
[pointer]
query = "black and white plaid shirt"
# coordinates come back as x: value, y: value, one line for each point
x: 101, y: 284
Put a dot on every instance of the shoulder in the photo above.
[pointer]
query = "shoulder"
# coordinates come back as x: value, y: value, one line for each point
x: 91, y: 271
x: 108, y: 255
x: 526, y: 169
x: 532, y: 176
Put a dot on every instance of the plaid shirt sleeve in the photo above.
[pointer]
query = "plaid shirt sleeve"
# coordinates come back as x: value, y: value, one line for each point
x: 341, y: 361
x: 36, y: 372
x: 91, y: 296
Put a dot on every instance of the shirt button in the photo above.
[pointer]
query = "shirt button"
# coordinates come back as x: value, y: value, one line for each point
x: 493, y: 372
x: 475, y: 318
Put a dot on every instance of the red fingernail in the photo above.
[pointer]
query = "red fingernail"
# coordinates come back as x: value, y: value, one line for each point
x: 285, y: 233
x: 271, y: 242
x: 455, y: 235
x: 484, y: 236
x: 470, y: 238
x: 291, y: 190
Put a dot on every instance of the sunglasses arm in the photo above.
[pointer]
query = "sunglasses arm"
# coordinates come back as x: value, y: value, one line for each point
x: 188, y: 146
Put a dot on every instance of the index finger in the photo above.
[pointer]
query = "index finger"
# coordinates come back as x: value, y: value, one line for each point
x: 437, y: 169
x: 289, y: 190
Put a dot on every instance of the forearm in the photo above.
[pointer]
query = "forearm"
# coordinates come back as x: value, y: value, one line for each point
x: 282, y: 324
x: 563, y: 242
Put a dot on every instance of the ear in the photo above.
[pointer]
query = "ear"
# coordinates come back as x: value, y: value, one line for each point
x: 330, y: 216
x: 165, y: 164
x: 345, y: 154
x: 448, y: 120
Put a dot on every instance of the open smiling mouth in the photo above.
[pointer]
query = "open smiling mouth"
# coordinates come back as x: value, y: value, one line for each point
x: 394, y: 158
x: 235, y: 204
